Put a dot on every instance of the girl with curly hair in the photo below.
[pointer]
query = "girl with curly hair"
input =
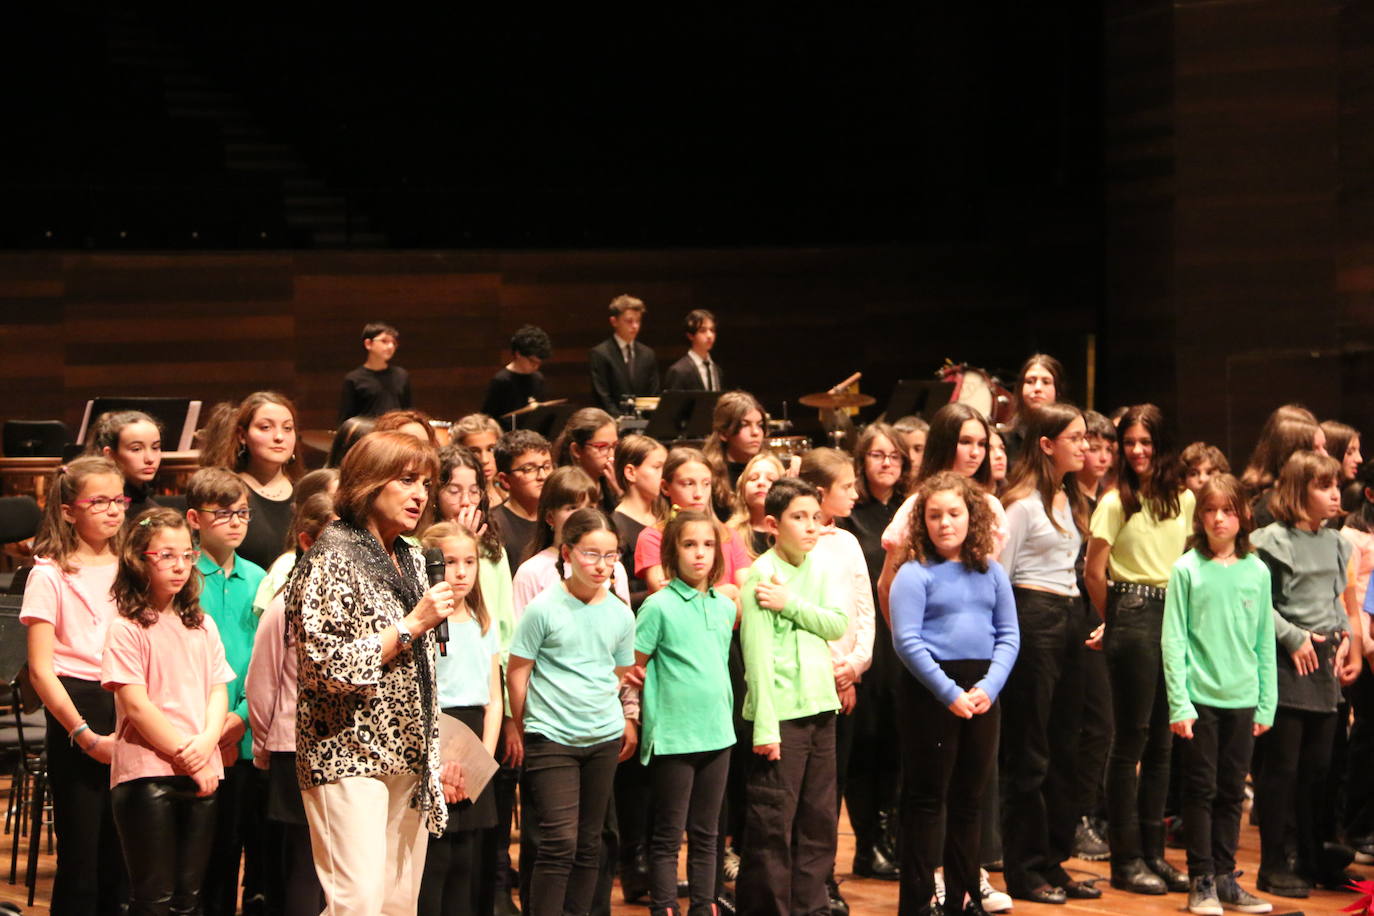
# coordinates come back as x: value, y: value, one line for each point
x: 955, y: 630
x: 165, y: 663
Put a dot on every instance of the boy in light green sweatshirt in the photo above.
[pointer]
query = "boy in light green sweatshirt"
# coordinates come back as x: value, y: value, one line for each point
x: 792, y: 608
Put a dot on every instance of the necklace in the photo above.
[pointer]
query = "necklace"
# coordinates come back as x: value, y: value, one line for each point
x: 278, y: 488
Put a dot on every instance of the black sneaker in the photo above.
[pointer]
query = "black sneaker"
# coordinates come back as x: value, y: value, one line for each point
x: 1088, y: 843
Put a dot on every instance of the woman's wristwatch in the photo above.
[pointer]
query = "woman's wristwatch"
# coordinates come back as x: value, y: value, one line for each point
x: 403, y: 635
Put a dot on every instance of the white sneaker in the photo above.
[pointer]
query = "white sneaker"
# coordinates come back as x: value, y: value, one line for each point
x: 940, y: 886
x: 994, y: 901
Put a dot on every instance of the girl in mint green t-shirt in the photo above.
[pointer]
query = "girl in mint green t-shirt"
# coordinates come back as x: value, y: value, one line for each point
x: 682, y: 638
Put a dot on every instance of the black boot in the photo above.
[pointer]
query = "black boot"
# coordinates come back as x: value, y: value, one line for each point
x: 872, y: 863
x: 838, y: 905
x: 1152, y: 838
x: 1137, y: 878
x: 634, y: 876
x: 888, y: 828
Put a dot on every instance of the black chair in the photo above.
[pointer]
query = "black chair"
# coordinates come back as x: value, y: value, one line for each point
x: 30, y: 800
x: 35, y: 438
x: 19, y: 518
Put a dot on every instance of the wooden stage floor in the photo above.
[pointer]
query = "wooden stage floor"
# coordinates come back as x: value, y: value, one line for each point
x: 872, y: 898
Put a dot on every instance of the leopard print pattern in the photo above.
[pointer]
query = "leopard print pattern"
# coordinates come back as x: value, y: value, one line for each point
x: 354, y: 715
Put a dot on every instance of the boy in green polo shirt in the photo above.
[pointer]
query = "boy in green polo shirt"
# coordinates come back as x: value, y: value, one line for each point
x: 792, y: 608
x: 217, y: 509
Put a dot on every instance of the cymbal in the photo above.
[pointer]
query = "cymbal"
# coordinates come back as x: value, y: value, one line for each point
x: 532, y: 406
x: 826, y: 400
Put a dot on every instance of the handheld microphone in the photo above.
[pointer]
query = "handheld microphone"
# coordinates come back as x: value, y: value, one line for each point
x: 434, y: 568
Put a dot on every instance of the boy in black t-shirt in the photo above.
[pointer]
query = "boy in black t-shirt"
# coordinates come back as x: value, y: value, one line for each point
x: 376, y: 386
x: 519, y: 381
x: 523, y: 462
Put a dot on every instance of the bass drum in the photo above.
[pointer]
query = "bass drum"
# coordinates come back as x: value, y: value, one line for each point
x: 789, y: 447
x: 981, y: 391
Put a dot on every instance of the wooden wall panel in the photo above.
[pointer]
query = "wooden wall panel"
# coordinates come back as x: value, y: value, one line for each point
x: 219, y: 325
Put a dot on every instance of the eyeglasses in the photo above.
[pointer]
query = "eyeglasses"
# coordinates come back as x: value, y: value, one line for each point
x: 223, y: 515
x: 166, y: 559
x: 885, y: 457
x: 533, y: 470
x: 473, y: 492
x: 103, y: 503
x: 604, y: 448
x: 593, y: 557
x: 1073, y: 438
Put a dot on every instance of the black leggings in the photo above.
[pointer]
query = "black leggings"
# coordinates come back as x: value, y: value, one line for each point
x: 687, y: 790
x: 166, y: 831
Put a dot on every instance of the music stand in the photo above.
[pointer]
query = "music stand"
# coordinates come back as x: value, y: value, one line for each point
x: 178, y: 417
x: 916, y: 396
x: 546, y: 421
x: 682, y: 415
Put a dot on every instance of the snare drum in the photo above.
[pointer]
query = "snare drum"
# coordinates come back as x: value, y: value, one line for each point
x: 981, y: 391
x: 789, y: 447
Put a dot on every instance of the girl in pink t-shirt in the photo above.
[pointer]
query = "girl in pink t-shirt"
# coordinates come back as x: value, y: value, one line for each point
x: 165, y: 664
x: 67, y: 609
x: 687, y: 482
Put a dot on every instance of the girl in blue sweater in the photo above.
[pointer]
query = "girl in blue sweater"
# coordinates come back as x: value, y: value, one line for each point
x: 954, y: 628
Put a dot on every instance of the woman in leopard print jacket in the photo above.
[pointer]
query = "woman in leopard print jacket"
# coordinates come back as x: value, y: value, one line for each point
x: 366, y: 717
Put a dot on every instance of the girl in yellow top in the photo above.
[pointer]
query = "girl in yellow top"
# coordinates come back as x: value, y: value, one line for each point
x: 1137, y: 532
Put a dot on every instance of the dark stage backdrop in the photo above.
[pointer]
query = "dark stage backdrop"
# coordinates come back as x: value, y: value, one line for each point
x: 219, y: 325
x: 1240, y: 211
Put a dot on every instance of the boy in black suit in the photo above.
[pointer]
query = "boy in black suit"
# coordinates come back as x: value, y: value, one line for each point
x: 621, y: 366
x: 696, y: 371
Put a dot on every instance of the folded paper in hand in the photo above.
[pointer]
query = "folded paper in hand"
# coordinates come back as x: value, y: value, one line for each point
x: 458, y: 744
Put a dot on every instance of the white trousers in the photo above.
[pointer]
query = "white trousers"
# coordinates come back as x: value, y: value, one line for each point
x: 368, y: 843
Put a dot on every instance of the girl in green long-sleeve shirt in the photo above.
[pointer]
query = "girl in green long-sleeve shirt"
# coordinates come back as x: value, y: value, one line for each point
x: 1217, y: 645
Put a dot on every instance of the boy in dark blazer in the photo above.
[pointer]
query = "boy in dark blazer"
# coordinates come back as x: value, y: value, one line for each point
x: 620, y: 365
x: 696, y: 371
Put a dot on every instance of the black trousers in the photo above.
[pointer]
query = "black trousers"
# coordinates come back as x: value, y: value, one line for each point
x: 688, y: 789
x: 1215, y: 762
x: 301, y: 893
x: 240, y: 813
x: 1140, y: 707
x: 947, y: 766
x: 1042, y: 711
x: 1095, y: 733
x: 1359, y: 791
x: 875, y: 768
x: 790, y: 823
x: 166, y: 832
x: 632, y: 809
x: 90, y: 875
x: 1296, y: 755
x: 566, y: 791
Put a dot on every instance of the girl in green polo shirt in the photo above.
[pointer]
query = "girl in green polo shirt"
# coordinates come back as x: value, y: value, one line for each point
x: 682, y: 639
